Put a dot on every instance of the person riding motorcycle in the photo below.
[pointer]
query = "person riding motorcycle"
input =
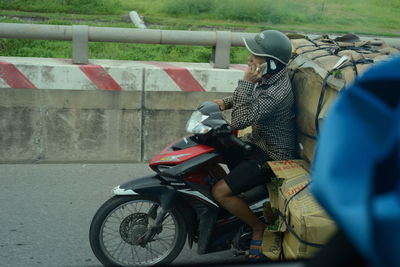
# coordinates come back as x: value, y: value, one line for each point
x: 263, y: 100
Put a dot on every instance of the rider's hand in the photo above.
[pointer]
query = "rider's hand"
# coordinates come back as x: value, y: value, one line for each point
x: 220, y: 103
x: 253, y: 73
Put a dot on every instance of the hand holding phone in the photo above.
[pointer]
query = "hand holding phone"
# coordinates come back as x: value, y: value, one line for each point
x: 253, y: 73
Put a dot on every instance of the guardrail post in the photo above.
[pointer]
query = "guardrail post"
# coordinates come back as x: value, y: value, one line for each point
x: 221, y: 52
x: 137, y: 21
x: 80, y: 48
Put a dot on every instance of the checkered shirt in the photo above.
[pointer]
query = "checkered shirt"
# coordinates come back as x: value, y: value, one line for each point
x: 268, y: 107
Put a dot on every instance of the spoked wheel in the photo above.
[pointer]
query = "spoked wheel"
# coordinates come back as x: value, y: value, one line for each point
x: 118, y: 229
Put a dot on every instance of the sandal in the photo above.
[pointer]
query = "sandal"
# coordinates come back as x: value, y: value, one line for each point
x: 255, y: 255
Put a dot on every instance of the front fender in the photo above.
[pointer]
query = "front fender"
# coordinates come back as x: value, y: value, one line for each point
x: 152, y: 186
x: 149, y: 186
x: 139, y: 185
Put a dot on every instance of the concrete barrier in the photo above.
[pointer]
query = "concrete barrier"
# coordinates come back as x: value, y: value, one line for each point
x: 107, y: 111
x: 69, y: 126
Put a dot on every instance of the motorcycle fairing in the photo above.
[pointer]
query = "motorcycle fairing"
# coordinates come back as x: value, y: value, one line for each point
x: 200, y: 196
x: 181, y: 170
x: 170, y: 156
x: 207, y: 216
x: 210, y: 238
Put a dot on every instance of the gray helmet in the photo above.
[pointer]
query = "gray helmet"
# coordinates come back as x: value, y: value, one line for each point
x: 272, y: 44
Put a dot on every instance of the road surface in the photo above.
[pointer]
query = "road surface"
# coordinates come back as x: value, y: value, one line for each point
x: 46, y: 210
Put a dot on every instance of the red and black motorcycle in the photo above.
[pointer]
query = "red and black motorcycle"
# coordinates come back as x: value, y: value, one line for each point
x: 147, y: 221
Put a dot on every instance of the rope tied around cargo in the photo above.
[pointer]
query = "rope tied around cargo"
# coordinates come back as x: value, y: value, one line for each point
x: 308, y: 45
x: 362, y: 49
x: 327, y: 48
x: 321, y: 100
x: 352, y: 64
x: 290, y: 229
x: 330, y: 49
x: 331, y: 52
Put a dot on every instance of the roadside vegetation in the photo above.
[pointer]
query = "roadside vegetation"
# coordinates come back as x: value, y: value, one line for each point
x: 367, y: 17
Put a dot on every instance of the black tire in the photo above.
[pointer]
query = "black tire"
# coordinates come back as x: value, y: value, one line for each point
x: 118, y: 204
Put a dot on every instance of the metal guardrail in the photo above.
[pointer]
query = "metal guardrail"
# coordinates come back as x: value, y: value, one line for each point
x: 220, y: 41
x: 80, y: 35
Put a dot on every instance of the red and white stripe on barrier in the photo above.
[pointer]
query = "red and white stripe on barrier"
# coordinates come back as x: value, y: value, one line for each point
x: 13, y: 77
x: 48, y: 73
x: 100, y: 77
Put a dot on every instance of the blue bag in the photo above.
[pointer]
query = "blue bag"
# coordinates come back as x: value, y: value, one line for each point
x: 356, y: 169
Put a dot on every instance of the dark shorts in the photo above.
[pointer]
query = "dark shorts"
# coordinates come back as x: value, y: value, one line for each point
x: 246, y: 172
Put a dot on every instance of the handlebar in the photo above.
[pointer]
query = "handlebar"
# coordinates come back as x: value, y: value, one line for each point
x: 226, y: 134
x: 246, y: 148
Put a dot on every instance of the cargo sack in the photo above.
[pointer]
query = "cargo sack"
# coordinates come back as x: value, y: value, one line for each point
x: 319, y: 70
x: 300, y: 226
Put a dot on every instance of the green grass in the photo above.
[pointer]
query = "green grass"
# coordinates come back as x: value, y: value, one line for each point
x: 63, y: 6
x: 362, y: 16
x: 369, y: 17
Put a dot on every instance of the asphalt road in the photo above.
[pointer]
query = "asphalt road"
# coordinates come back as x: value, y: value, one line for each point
x: 46, y: 210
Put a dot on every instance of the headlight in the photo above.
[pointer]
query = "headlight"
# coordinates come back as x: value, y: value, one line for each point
x: 194, y: 124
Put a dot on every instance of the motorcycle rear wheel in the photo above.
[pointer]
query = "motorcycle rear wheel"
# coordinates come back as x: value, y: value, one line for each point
x: 120, y: 222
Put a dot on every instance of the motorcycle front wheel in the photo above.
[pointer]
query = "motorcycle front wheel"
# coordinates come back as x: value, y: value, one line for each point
x: 121, y: 222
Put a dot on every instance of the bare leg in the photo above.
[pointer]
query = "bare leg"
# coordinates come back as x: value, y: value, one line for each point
x: 235, y: 205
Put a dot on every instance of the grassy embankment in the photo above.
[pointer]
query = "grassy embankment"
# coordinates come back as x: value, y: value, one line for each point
x: 374, y: 17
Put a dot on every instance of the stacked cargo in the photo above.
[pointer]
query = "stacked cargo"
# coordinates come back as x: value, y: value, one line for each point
x: 297, y: 226
x: 319, y: 70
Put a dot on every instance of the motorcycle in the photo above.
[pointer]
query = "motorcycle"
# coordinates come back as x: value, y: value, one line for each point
x: 149, y: 219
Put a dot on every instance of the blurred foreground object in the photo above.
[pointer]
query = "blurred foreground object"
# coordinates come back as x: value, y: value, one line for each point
x: 356, y: 169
